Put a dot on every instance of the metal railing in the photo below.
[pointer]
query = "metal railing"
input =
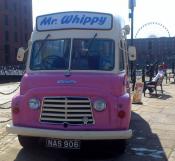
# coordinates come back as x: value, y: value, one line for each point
x: 12, y: 70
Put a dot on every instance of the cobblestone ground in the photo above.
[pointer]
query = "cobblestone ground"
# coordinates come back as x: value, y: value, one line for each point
x: 153, y: 125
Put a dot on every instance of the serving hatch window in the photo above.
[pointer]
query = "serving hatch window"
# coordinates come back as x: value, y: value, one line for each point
x: 86, y: 54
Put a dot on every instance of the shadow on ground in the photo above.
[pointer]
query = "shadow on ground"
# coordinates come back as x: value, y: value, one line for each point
x: 143, y: 146
x: 159, y: 96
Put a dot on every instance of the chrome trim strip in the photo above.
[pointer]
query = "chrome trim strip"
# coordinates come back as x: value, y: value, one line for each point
x: 62, y: 134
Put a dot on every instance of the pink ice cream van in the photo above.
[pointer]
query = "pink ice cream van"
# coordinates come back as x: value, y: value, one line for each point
x: 75, y: 88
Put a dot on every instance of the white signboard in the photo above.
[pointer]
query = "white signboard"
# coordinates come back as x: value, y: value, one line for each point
x: 74, y: 20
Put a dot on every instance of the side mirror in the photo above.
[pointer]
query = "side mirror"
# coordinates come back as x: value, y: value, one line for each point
x: 127, y: 29
x: 21, y: 54
x: 132, y: 53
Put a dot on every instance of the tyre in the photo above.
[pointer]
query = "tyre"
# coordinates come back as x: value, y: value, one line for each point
x: 117, y: 146
x: 110, y: 147
x: 28, y: 142
x: 121, y: 146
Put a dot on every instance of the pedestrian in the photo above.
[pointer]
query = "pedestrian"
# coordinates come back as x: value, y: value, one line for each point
x: 160, y: 74
x: 165, y: 66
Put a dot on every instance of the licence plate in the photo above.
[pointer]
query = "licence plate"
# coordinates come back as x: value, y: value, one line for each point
x: 63, y: 144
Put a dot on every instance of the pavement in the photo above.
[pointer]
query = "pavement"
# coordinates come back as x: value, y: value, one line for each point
x: 156, y: 122
x: 153, y: 125
x: 7, y: 91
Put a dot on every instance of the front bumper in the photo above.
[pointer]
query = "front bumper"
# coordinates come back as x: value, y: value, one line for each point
x: 79, y: 135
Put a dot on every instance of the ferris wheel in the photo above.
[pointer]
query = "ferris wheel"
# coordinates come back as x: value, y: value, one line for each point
x: 152, y: 27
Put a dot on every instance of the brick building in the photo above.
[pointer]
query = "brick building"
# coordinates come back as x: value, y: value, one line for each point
x: 150, y: 50
x: 15, y: 28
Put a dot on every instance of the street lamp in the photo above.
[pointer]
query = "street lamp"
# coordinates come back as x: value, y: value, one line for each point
x: 132, y: 4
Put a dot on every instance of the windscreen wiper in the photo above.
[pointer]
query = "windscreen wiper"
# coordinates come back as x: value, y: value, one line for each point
x: 91, y: 42
x: 42, y: 45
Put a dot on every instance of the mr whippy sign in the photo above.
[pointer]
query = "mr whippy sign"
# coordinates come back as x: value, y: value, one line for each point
x: 74, y: 20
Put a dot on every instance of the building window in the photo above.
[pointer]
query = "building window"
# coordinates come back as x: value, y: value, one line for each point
x: 6, y: 36
x: 15, y: 21
x: 16, y: 51
x: 14, y: 6
x: 16, y: 37
x: 7, y: 53
x: 6, y: 48
x: 6, y: 4
x: 121, y: 56
x: 6, y: 20
x: 25, y: 24
x: 25, y: 9
x: 26, y: 37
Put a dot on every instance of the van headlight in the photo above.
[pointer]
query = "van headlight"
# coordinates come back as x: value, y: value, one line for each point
x: 34, y: 103
x: 100, y: 105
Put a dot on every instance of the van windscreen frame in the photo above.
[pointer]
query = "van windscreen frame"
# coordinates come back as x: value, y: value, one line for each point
x: 85, y: 55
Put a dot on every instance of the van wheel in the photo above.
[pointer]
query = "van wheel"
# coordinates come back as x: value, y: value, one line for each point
x: 28, y: 142
x: 118, y: 146
x: 121, y: 146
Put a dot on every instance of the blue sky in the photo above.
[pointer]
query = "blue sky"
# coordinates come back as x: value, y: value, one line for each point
x: 146, y: 11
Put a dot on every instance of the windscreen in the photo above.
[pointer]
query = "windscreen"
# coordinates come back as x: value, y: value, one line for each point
x: 86, y: 54
x: 92, y: 54
x: 50, y: 55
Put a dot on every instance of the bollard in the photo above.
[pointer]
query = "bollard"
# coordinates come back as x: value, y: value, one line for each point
x: 143, y: 74
x: 137, y: 95
x: 151, y: 72
x: 173, y: 68
x: 133, y: 79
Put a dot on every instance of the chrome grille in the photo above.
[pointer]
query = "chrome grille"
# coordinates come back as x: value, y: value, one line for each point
x: 70, y: 110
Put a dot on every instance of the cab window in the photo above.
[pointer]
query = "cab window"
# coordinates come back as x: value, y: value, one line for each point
x: 50, y: 55
x: 121, y: 56
x: 88, y: 54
